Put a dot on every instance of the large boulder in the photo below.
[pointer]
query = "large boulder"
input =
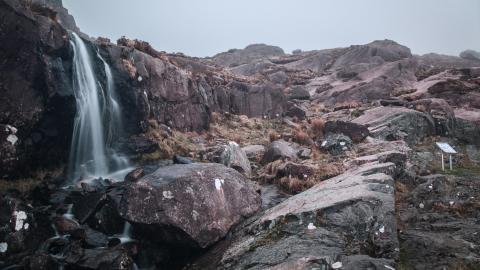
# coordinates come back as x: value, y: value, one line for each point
x: 231, y: 155
x: 192, y: 205
x: 279, y: 150
x: 298, y: 92
x: 355, y: 131
x: 254, y: 152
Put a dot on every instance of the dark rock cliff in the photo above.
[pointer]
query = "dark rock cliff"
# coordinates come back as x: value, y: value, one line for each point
x: 35, y: 87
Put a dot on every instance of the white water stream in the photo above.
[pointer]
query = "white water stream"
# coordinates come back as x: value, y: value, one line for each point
x: 98, y: 121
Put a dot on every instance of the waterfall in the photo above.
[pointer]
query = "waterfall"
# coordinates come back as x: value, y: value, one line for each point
x: 127, y: 233
x: 98, y: 120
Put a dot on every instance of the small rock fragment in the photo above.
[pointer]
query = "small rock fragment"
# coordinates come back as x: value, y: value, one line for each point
x: 3, y: 247
x: 337, y: 265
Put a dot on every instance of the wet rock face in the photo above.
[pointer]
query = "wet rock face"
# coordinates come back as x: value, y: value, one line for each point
x: 35, y: 81
x: 192, y: 205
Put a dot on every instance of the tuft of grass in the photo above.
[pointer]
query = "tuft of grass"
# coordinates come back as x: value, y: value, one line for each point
x: 356, y: 113
x: 463, y: 171
x: 301, y: 137
x: 273, y: 135
x: 294, y: 185
x: 318, y: 127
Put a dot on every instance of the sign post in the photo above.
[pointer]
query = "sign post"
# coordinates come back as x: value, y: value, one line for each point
x: 447, y: 149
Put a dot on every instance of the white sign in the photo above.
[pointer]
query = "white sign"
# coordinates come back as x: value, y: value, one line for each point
x: 445, y: 147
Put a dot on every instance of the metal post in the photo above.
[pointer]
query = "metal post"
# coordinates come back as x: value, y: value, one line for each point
x: 451, y: 167
x: 443, y: 163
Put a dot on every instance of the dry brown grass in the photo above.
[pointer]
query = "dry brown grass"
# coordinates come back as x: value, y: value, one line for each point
x: 23, y: 186
x: 318, y: 126
x: 177, y: 144
x: 421, y: 108
x: 348, y: 105
x: 294, y: 185
x: 215, y: 118
x: 273, y: 135
x: 302, y: 137
x: 328, y: 170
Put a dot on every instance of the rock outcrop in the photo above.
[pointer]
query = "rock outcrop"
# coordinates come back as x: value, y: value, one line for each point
x: 398, y: 123
x: 345, y: 221
x: 251, y: 53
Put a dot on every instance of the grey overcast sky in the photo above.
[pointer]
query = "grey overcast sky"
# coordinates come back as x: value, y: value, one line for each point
x: 207, y: 27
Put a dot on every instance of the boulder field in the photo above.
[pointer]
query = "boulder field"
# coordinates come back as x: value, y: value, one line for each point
x: 250, y: 159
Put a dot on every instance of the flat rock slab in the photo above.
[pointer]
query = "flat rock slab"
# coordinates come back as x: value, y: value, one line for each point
x: 193, y: 204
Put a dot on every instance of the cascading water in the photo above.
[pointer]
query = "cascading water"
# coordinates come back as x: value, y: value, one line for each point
x: 98, y: 120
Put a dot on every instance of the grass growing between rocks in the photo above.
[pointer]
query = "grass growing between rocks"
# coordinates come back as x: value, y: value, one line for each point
x: 23, y: 186
x: 462, y: 171
x: 271, y: 236
x: 403, y: 261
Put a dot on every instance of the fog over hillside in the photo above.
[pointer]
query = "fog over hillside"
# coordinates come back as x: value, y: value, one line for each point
x: 205, y: 28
